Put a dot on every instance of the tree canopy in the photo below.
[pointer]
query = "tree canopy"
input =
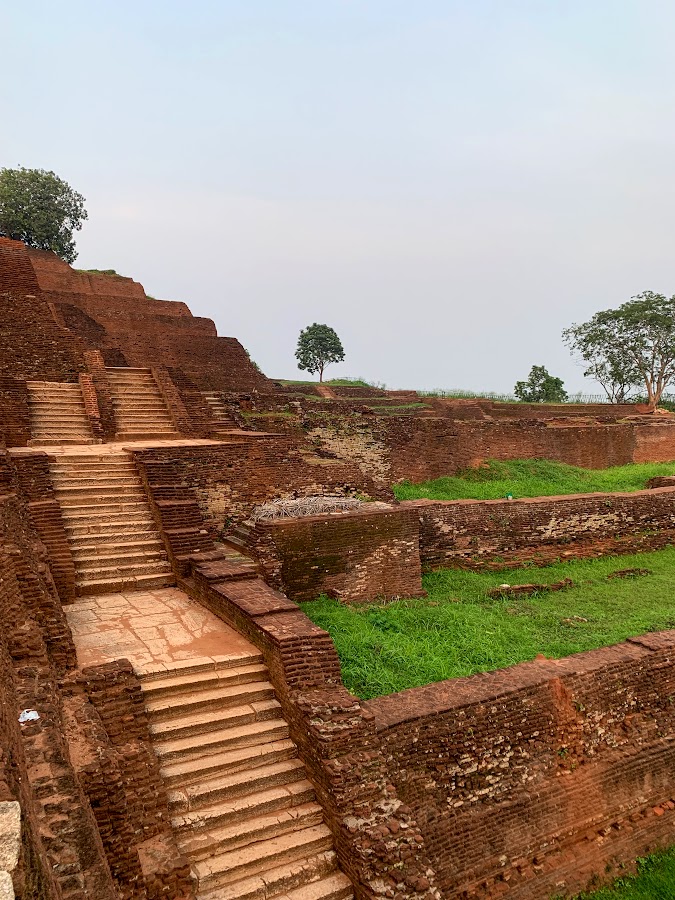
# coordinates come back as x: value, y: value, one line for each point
x: 40, y: 209
x: 318, y: 346
x: 541, y: 387
x: 631, y: 348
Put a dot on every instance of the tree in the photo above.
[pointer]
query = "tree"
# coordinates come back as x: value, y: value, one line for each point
x: 541, y: 387
x: 40, y: 209
x: 629, y: 347
x: 318, y: 345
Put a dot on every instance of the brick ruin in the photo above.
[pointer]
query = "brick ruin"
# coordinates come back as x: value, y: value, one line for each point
x: 232, y: 762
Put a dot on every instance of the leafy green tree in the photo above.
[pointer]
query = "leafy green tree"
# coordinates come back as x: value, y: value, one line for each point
x: 629, y: 347
x: 318, y: 346
x: 40, y: 209
x: 541, y: 387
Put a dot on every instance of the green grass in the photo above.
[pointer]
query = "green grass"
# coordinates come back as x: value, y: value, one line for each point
x: 101, y: 272
x: 458, y: 630
x: 655, y: 880
x: 532, y: 478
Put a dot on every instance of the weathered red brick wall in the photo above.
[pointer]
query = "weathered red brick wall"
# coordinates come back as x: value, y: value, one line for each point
x: 32, y: 345
x: 476, y: 533
x: 229, y: 479
x: 114, y: 315
x: 529, y: 781
x: 378, y: 842
x: 358, y: 556
x: 14, y: 412
x: 110, y: 742
x: 34, y: 483
x: 423, y: 448
x: 62, y: 854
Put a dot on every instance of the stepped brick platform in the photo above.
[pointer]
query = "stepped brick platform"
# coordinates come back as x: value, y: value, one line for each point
x: 140, y: 409
x: 242, y: 808
x: 58, y: 414
x: 113, y: 536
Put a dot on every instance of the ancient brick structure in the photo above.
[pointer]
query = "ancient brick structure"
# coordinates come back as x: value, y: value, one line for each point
x: 371, y: 553
x: 518, y: 783
x: 478, y: 533
x: 527, y: 781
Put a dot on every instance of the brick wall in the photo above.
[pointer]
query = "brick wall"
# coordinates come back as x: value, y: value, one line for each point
x: 476, y: 533
x: 229, y: 479
x: 359, y: 556
x: 530, y: 781
x: 417, y: 448
x: 114, y: 315
x: 115, y: 762
x: 62, y: 857
x: 378, y: 842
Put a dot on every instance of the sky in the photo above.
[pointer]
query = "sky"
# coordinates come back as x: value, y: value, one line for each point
x: 447, y: 184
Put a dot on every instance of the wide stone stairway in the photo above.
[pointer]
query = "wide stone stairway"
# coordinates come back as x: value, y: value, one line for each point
x: 140, y: 409
x: 112, y: 534
x: 242, y: 808
x: 57, y: 414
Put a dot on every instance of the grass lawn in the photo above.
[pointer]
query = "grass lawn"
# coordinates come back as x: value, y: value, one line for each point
x: 532, y: 478
x: 459, y: 630
x: 655, y: 881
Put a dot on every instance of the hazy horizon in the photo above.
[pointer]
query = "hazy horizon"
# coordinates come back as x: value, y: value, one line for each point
x: 448, y: 185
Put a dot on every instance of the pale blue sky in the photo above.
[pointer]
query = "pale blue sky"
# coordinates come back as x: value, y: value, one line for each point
x: 448, y: 184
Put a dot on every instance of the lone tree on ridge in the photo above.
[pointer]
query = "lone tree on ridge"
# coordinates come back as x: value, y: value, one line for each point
x: 540, y: 387
x: 632, y: 346
x: 318, y: 346
x: 40, y: 209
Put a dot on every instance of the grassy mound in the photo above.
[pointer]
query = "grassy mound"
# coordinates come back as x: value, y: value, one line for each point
x: 532, y: 478
x: 459, y: 630
x: 655, y: 881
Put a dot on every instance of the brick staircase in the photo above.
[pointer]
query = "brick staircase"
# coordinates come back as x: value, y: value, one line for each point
x: 112, y: 534
x: 220, y: 412
x: 57, y: 414
x: 140, y: 410
x: 242, y: 808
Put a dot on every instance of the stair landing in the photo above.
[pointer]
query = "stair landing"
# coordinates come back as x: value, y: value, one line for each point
x: 156, y: 630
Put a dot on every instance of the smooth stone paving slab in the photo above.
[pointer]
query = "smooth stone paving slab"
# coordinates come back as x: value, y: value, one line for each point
x: 156, y: 630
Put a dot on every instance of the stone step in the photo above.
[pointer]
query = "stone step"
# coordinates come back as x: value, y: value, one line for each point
x: 87, y: 587
x: 128, y: 421
x: 94, y: 486
x: 100, y: 473
x: 184, y: 773
x: 39, y: 441
x: 54, y: 385
x: 129, y: 508
x: 129, y: 408
x: 242, y: 808
x: 112, y: 540
x: 280, y: 881
x: 64, y: 417
x: 201, y: 745
x: 103, y: 550
x: 69, y: 466
x: 201, y: 664
x: 334, y: 887
x: 123, y: 572
x: 95, y: 519
x: 105, y: 562
x: 103, y: 528
x: 128, y: 434
x: 203, y: 844
x: 220, y: 698
x: 177, y: 727
x: 255, y: 859
x: 204, y: 680
x: 222, y: 787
